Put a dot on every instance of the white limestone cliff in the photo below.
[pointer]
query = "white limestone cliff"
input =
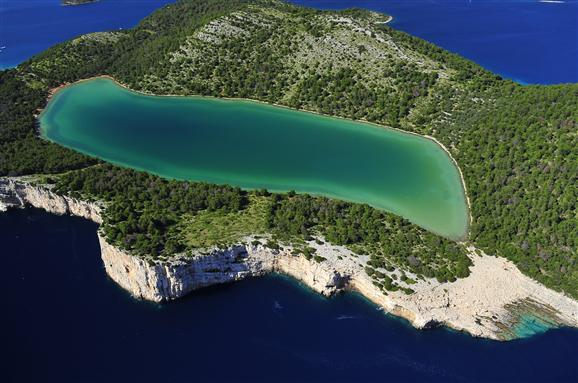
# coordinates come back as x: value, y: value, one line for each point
x: 15, y: 193
x: 488, y: 303
x: 160, y: 281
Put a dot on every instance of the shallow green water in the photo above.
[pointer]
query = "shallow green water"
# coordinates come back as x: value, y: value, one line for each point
x: 254, y: 145
x: 529, y: 325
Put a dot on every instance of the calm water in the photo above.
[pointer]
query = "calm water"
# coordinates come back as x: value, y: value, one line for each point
x: 260, y: 146
x: 64, y: 320
x: 526, y: 40
x: 27, y: 27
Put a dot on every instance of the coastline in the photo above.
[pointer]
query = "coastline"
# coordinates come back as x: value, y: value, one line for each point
x: 493, y: 302
x: 464, y: 187
x: 52, y: 92
x: 389, y: 20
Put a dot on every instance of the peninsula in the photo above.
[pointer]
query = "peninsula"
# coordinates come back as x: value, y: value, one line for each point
x: 514, y: 148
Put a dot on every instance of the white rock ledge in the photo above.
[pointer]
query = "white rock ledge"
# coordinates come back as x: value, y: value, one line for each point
x: 489, y: 303
x: 15, y: 193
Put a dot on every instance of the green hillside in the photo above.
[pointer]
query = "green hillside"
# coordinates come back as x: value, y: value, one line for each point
x: 517, y: 146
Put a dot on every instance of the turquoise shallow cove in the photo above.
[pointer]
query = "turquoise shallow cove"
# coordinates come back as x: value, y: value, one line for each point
x: 254, y: 145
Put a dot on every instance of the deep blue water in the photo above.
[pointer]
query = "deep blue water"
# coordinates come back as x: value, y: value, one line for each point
x: 64, y: 320
x: 525, y: 40
x: 27, y: 27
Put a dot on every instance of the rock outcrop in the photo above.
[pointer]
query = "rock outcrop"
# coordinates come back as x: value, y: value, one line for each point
x: 160, y: 281
x: 15, y: 193
x: 492, y: 302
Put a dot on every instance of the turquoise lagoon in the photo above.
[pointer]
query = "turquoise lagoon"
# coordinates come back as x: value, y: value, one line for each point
x: 255, y: 145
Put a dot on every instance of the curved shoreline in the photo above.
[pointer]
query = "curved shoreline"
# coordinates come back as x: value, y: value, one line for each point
x: 463, y: 238
x: 493, y: 302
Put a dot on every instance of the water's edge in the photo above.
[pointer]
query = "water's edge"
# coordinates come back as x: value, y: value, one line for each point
x: 502, y: 317
x: 42, y: 133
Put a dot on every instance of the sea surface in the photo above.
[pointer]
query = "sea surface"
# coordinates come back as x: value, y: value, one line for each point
x: 254, y: 145
x: 28, y: 27
x: 64, y: 320
x: 528, y: 41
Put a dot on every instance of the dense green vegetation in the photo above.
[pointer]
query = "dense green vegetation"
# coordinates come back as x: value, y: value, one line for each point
x: 391, y: 241
x: 21, y: 151
x: 522, y: 172
x: 152, y: 217
x: 143, y: 208
x: 517, y: 146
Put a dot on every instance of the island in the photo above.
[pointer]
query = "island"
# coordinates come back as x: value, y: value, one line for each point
x: 77, y: 2
x: 513, y: 150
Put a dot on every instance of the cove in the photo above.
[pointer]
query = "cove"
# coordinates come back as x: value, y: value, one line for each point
x: 254, y: 145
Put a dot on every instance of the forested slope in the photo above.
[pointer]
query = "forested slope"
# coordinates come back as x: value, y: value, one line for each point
x: 517, y: 146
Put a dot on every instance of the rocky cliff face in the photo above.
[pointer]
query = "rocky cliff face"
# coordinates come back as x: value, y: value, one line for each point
x: 492, y: 302
x: 15, y: 193
x: 167, y: 280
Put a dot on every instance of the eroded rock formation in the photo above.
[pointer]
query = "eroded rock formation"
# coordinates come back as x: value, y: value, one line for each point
x: 492, y: 302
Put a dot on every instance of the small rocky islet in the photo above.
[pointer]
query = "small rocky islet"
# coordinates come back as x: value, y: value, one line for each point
x: 77, y: 2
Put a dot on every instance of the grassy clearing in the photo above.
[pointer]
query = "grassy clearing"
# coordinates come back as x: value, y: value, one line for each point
x: 210, y: 228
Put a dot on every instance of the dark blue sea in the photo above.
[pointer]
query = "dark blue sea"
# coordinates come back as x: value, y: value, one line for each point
x: 28, y: 27
x: 64, y: 320
x: 526, y: 40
